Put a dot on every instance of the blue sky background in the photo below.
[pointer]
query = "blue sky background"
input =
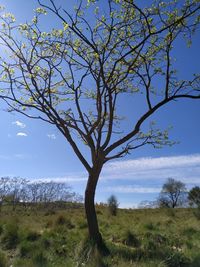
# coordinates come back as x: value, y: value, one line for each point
x: 33, y: 149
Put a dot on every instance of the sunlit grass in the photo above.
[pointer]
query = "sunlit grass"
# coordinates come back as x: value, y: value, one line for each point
x: 135, y: 238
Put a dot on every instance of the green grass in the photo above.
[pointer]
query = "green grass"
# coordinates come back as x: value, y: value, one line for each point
x: 135, y: 238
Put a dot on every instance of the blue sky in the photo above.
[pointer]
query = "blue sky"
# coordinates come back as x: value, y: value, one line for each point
x: 33, y: 149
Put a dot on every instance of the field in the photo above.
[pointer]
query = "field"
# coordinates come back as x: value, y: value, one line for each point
x: 38, y: 237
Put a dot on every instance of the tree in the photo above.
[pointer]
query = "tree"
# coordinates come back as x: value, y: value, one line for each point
x: 173, y: 194
x: 4, y: 189
x: 194, y: 196
x: 113, y: 205
x: 76, y: 76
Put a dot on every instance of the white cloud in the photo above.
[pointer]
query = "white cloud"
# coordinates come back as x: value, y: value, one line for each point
x: 156, y: 163
x: 51, y: 136
x: 14, y: 157
x: 185, y: 168
x: 22, y: 134
x: 19, y: 124
x: 133, y: 189
x: 66, y: 179
x: 20, y: 156
x: 144, y: 170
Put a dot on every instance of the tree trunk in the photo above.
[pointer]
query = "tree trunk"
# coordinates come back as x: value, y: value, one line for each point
x: 93, y: 228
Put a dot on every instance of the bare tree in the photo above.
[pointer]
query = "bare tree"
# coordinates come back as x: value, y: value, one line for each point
x: 4, y: 189
x: 17, y: 186
x: 173, y: 194
x: 75, y: 77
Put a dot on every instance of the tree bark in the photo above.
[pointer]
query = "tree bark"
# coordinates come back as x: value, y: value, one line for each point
x: 93, y: 228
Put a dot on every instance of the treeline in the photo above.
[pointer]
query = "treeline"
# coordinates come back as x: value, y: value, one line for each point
x: 174, y: 194
x: 19, y: 191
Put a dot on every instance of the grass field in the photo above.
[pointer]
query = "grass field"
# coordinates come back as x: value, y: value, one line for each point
x: 137, y: 238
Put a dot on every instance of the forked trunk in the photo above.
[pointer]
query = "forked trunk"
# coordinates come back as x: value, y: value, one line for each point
x: 93, y: 228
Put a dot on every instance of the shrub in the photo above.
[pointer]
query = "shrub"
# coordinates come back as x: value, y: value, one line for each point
x: 32, y: 236
x: 60, y: 220
x: 130, y: 239
x: 11, y: 235
x: 150, y: 226
x: 46, y: 242
x: 3, y: 260
x: 82, y: 224
x: 177, y: 259
x: 69, y: 224
x: 27, y: 249
x: 49, y: 212
x: 189, y: 231
x: 113, y: 205
x: 49, y: 224
x: 39, y: 259
x: 154, y: 245
x: 194, y: 196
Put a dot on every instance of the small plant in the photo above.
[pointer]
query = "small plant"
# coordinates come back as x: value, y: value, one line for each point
x: 177, y: 259
x: 150, y: 226
x: 131, y: 239
x: 32, y: 236
x: 39, y: 259
x: 26, y: 249
x: 11, y: 235
x: 82, y: 224
x: 3, y: 260
x: 69, y: 224
x: 49, y: 224
x: 61, y: 220
x: 49, y: 212
x: 113, y: 205
x: 189, y: 231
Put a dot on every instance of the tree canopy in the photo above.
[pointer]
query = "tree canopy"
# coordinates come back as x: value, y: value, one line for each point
x: 173, y: 194
x: 128, y: 49
x: 194, y: 196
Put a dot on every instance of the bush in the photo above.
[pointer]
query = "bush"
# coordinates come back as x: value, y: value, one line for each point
x: 130, y: 239
x: 11, y: 235
x: 61, y: 220
x: 150, y: 226
x: 39, y: 259
x: 32, y: 236
x: 3, y: 260
x: 82, y: 224
x: 177, y: 259
x: 26, y: 249
x: 113, y: 205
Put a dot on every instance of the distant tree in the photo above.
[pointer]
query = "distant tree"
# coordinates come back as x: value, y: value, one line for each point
x: 77, y: 75
x: 146, y: 204
x: 173, y: 194
x: 194, y: 196
x: 17, y: 187
x: 113, y: 205
x: 4, y: 189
